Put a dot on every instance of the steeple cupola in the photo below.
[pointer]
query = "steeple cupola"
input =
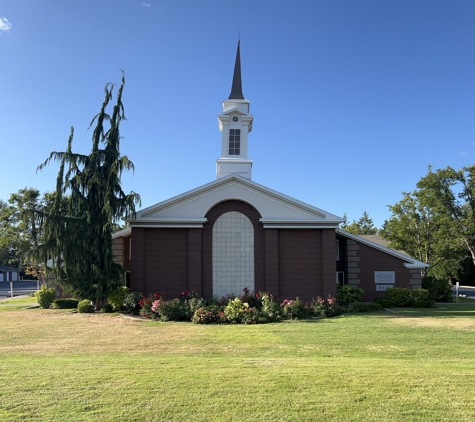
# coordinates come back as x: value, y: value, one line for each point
x: 235, y: 123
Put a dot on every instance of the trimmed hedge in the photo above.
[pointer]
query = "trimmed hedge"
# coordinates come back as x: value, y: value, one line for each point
x: 366, y: 307
x: 65, y: 303
x: 85, y: 307
x: 409, y: 298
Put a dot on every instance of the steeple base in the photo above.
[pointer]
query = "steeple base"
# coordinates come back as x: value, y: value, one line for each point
x: 240, y: 166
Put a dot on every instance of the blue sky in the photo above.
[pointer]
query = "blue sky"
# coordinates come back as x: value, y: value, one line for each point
x: 352, y: 100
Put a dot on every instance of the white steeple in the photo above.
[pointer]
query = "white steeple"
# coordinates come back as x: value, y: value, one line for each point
x: 235, y: 123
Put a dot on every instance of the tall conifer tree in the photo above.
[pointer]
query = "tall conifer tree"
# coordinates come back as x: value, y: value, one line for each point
x: 78, y: 230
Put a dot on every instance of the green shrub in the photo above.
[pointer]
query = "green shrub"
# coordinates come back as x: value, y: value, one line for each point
x: 172, y: 310
x: 326, y: 308
x: 383, y: 301
x: 45, y: 297
x: 296, y: 309
x: 366, y: 307
x: 440, y: 290
x: 107, y: 308
x: 195, y: 303
x: 271, y: 311
x: 248, y: 296
x: 211, y: 314
x: 65, y: 303
x: 131, y: 302
x: 400, y: 297
x: 234, y: 310
x: 250, y: 316
x: 345, y: 295
x: 116, y: 298
x: 85, y: 307
x: 407, y: 298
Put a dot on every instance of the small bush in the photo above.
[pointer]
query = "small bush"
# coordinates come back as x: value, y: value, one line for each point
x: 116, y: 298
x: 400, y: 297
x: 296, y: 309
x: 440, y: 290
x: 172, y: 310
x: 45, y: 297
x: 65, y: 303
x: 366, y: 307
x: 85, y: 307
x: 131, y: 302
x: 195, y: 303
x: 211, y: 314
x: 248, y: 296
x: 271, y: 311
x: 383, y: 301
x: 346, y: 295
x: 326, y: 308
x: 250, y: 316
x: 107, y: 308
x: 146, y: 303
x: 234, y: 310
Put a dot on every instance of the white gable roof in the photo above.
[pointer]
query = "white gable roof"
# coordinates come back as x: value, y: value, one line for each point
x: 276, y: 209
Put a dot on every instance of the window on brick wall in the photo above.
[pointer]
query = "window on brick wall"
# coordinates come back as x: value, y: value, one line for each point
x: 337, y: 246
x: 340, y: 278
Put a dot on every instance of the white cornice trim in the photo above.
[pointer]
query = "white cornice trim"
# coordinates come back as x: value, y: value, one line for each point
x: 169, y: 225
x: 122, y: 233
x: 299, y: 224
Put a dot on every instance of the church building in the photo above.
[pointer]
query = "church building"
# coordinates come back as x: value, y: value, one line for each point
x: 234, y: 233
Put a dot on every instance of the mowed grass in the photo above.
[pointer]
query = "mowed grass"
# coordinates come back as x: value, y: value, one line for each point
x: 409, y: 366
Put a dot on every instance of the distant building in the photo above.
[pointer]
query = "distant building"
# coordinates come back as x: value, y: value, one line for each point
x: 9, y: 274
x: 234, y: 233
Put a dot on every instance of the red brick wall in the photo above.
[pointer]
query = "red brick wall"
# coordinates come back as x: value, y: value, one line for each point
x: 159, y: 261
x: 287, y: 262
x: 307, y: 263
x: 371, y: 260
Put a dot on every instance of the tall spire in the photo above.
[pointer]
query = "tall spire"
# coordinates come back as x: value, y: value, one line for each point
x: 236, y: 90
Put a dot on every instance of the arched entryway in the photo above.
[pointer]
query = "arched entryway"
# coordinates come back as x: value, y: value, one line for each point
x: 233, y: 254
x: 233, y: 250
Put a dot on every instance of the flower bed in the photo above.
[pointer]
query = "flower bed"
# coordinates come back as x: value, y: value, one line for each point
x: 247, y: 308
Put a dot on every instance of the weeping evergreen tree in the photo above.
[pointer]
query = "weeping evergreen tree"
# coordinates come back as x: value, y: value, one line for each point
x: 88, y: 203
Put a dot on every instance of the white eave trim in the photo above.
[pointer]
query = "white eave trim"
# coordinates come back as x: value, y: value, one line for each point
x: 416, y: 265
x: 189, y: 223
x: 299, y: 224
x: 410, y: 262
x: 122, y: 233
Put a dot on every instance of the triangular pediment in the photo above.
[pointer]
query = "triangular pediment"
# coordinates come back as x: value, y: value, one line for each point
x: 276, y: 209
x: 234, y: 110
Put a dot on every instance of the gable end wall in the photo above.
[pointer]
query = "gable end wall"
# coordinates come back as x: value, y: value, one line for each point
x: 362, y: 261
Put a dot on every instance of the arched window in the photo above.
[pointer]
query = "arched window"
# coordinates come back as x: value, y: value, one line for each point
x: 233, y: 254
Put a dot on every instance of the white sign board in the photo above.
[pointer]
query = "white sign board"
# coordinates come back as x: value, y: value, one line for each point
x: 384, y: 277
x: 382, y: 287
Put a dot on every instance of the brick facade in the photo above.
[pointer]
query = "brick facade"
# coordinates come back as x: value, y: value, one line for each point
x: 362, y: 261
x: 287, y: 262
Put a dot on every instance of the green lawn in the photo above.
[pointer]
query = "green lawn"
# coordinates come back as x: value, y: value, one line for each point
x: 414, y: 365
